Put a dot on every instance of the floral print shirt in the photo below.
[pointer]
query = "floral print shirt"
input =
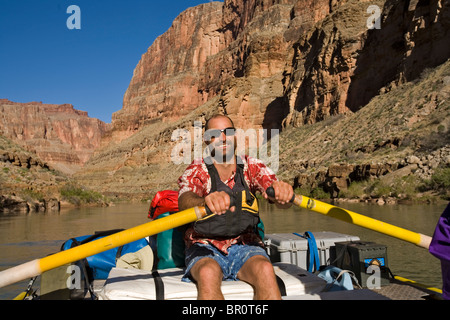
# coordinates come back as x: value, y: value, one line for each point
x: 197, y: 179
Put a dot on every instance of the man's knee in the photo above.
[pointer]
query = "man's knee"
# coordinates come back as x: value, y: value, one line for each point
x: 206, y: 269
x: 265, y: 268
x: 208, y: 275
x: 259, y: 272
x: 262, y: 264
x: 257, y: 266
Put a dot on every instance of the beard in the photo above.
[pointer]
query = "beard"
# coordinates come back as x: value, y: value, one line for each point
x: 222, y: 151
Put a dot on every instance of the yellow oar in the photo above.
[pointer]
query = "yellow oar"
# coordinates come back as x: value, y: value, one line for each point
x: 39, y: 266
x: 417, y: 284
x: 21, y: 296
x: 418, y: 239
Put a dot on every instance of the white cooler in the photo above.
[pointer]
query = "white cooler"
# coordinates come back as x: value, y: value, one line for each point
x: 291, y: 248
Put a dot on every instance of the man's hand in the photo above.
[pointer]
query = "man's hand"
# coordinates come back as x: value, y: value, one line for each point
x: 219, y: 202
x: 283, y: 194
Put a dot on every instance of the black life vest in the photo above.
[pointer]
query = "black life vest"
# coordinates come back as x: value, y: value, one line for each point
x: 230, y: 224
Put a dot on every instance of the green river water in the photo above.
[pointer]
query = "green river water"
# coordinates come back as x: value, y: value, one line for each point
x: 24, y: 237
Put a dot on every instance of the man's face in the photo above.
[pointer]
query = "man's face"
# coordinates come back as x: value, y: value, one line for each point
x: 221, y: 140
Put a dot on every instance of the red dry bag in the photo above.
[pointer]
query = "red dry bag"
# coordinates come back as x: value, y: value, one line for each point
x: 164, y: 201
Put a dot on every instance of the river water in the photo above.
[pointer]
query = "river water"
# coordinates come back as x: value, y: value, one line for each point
x: 24, y: 237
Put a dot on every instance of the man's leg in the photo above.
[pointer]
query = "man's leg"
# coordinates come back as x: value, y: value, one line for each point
x: 258, y: 271
x: 208, y: 275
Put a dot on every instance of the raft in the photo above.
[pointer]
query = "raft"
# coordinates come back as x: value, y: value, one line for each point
x: 300, y: 260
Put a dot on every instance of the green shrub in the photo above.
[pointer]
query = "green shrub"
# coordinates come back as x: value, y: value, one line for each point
x: 441, y: 179
x: 407, y: 186
x: 316, y: 193
x: 31, y: 195
x: 379, y: 189
x: 80, y: 195
x: 319, y: 193
x: 356, y: 189
x: 304, y: 191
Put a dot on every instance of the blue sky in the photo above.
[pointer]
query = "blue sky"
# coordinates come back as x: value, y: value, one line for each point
x: 90, y: 68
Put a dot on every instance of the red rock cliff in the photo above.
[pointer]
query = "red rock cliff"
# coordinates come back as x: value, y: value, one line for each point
x: 201, y: 55
x: 271, y: 64
x: 275, y: 62
x: 59, y: 134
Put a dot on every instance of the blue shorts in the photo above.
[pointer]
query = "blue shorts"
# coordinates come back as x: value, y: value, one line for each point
x: 238, y: 254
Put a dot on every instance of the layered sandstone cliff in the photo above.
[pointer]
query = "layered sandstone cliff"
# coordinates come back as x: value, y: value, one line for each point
x: 270, y: 64
x: 340, y: 64
x: 275, y: 62
x: 235, y: 50
x: 58, y: 134
x: 173, y: 76
x: 353, y: 103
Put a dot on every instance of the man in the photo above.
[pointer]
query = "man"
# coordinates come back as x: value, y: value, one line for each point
x: 227, y: 245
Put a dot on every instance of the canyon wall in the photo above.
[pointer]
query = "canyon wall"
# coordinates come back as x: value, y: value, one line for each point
x: 287, y: 62
x: 236, y: 50
x: 58, y: 134
x: 340, y: 64
x: 282, y: 64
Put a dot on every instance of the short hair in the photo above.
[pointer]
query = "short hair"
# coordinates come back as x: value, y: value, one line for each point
x: 215, y: 117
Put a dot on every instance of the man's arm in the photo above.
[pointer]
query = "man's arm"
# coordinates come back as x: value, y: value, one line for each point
x: 190, y: 199
x: 217, y: 202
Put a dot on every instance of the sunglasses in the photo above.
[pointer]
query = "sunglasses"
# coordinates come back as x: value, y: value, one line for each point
x: 215, y: 133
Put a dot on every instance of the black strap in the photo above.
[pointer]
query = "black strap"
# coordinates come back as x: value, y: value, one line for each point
x: 99, y: 234
x: 213, y: 173
x: 89, y: 283
x: 159, y: 285
x: 240, y: 172
x: 119, y: 253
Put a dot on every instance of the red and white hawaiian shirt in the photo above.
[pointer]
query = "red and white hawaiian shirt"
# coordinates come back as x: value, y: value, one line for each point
x: 196, y: 179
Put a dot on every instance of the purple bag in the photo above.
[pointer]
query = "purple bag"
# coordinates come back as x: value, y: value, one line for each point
x: 440, y: 248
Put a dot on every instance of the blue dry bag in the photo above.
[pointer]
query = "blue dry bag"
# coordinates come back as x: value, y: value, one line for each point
x: 99, y: 265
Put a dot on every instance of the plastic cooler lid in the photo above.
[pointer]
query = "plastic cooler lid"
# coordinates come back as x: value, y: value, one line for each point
x: 293, y: 242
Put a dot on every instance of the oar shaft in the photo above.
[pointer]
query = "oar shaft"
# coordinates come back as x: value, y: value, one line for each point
x: 418, y: 239
x: 39, y: 266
